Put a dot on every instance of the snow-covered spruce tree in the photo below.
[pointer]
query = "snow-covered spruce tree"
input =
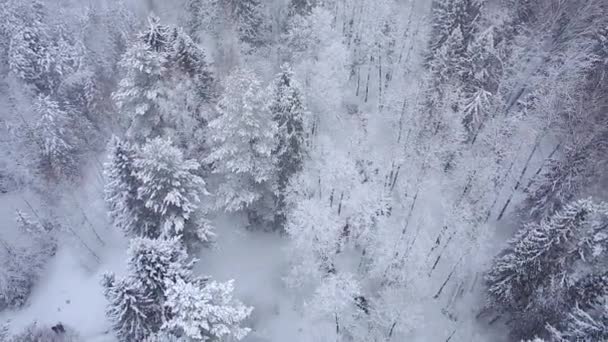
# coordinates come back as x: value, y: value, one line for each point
x: 564, y: 178
x: 151, y: 263
x: 481, y: 73
x: 460, y: 64
x: 152, y: 191
x: 42, y: 50
x: 160, y: 295
x: 28, y: 51
x: 126, y: 211
x: 154, y: 261
x: 248, y: 17
x: 169, y: 189
x: 449, y: 63
x: 243, y: 138
x: 66, y: 50
x: 197, y: 12
x: 139, y: 91
x: 127, y: 308
x: 289, y: 113
x: 449, y: 15
x: 190, y: 89
x: 205, y: 312
x: 57, y: 157
x: 165, y: 84
x: 531, y: 281
x: 189, y: 59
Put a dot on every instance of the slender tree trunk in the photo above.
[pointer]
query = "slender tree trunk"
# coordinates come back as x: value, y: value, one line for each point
x: 451, y: 335
x: 394, y: 181
x: 389, y: 177
x: 402, y: 235
x: 9, y: 250
x: 406, y: 32
x: 358, y: 80
x: 498, y: 191
x: 403, y: 107
x: 337, y: 328
x: 438, y: 240
x: 380, y: 81
x: 369, y: 73
x: 519, y: 180
x: 448, y: 278
x: 540, y: 168
x: 88, y: 248
x: 466, y: 189
x: 390, y: 332
x: 86, y: 219
x: 32, y: 209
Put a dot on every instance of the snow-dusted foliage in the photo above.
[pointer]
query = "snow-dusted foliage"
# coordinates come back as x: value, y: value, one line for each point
x: 389, y: 149
x: 154, y: 191
x: 153, y: 262
x: 248, y: 16
x: 16, y: 278
x: 316, y: 233
x: 205, y: 312
x: 126, y: 211
x: 339, y: 298
x: 28, y: 51
x: 165, y: 84
x: 128, y: 308
x: 243, y: 138
x: 169, y: 188
x: 57, y: 156
x: 136, y: 302
x: 161, y: 296
x: 583, y: 326
x: 534, y: 280
x: 289, y: 112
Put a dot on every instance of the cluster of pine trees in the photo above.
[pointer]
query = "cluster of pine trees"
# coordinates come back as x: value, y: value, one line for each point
x: 394, y: 145
x: 550, y: 280
x: 174, y: 126
x: 249, y: 139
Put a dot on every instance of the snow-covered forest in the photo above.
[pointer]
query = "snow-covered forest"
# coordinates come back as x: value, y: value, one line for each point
x: 303, y: 170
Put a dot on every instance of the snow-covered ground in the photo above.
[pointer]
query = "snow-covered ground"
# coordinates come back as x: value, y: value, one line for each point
x: 257, y: 262
x: 69, y: 291
x: 69, y: 294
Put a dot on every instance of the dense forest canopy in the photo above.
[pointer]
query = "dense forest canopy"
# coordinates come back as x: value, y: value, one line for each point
x: 303, y: 170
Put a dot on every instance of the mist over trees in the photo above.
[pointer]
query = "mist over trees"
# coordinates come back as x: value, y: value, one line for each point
x: 416, y: 170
